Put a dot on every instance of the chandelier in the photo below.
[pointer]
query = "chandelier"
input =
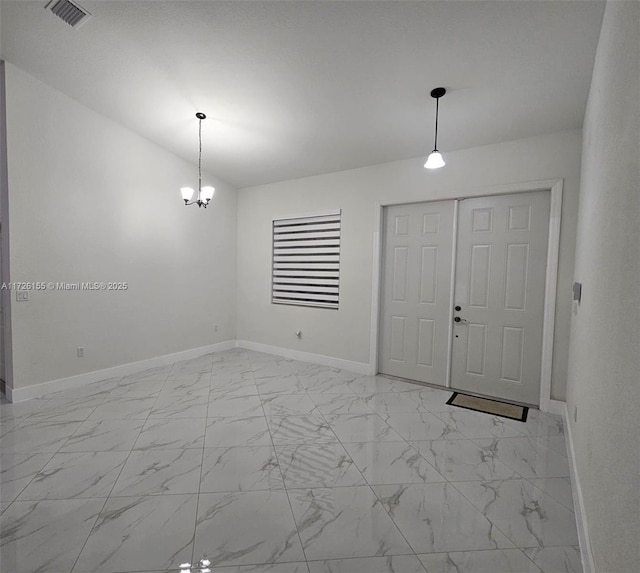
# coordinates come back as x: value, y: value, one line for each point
x: 205, y: 193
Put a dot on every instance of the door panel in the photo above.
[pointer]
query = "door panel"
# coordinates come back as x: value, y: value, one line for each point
x: 500, y: 283
x: 476, y: 349
x: 426, y: 339
x: 515, y: 294
x: 397, y: 338
x: 479, y: 276
x: 512, y: 353
x: 416, y: 291
x: 428, y: 275
x: 400, y: 272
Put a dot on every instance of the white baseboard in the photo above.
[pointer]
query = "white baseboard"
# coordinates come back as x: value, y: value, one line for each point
x: 37, y: 390
x: 358, y: 367
x: 588, y: 565
x: 556, y: 407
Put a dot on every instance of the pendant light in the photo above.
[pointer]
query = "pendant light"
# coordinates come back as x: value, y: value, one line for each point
x: 204, y: 193
x: 435, y: 161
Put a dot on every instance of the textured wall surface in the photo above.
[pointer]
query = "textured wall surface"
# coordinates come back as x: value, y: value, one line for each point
x: 604, y: 364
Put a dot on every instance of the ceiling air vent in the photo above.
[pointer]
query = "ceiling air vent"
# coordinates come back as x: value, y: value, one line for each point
x: 68, y: 11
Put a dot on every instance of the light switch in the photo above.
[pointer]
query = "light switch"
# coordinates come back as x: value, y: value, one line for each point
x: 577, y: 291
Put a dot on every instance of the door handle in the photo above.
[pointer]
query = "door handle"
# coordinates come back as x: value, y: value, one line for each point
x: 462, y: 320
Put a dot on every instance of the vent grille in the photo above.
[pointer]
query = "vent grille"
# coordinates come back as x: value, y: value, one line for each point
x: 306, y: 261
x: 69, y: 12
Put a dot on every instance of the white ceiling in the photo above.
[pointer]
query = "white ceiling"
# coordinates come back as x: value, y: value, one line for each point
x: 300, y: 88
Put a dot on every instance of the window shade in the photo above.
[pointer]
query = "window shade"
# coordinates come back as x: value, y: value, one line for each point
x: 306, y: 260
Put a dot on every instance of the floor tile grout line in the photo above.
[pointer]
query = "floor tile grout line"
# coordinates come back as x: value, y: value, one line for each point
x: 376, y: 496
x: 54, y: 453
x: 483, y: 512
x: 99, y: 513
x: 469, y: 440
x: 553, y: 497
x: 204, y: 438
x: 35, y: 475
x: 284, y: 484
x: 108, y: 496
x: 496, y: 455
x: 197, y: 508
x: 366, y: 484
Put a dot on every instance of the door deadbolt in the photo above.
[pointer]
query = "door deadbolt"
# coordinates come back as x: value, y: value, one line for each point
x: 458, y: 308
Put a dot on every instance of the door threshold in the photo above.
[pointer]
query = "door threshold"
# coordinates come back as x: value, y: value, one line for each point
x: 459, y: 390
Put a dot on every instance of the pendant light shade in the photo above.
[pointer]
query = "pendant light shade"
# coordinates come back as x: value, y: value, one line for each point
x: 204, y: 194
x: 435, y: 160
x: 187, y: 193
x: 207, y: 193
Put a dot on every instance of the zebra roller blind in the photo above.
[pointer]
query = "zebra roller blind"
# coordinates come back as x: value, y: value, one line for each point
x: 306, y: 260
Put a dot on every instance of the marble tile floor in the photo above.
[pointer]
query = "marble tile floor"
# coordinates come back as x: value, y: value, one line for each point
x: 266, y: 464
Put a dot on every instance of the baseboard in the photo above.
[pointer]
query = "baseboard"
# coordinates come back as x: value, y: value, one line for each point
x: 37, y: 390
x: 556, y: 407
x: 578, y: 500
x: 358, y: 367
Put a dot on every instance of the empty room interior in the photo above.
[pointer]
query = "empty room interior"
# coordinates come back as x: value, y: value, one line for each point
x: 320, y: 286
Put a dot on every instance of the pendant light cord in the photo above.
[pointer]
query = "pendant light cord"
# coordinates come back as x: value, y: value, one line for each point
x: 435, y: 143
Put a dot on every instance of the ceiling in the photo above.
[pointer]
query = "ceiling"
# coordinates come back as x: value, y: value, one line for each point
x: 299, y: 88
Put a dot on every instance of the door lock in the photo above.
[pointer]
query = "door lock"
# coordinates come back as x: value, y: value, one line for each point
x: 458, y: 308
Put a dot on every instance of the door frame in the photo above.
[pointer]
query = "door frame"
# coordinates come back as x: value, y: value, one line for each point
x: 554, y: 186
x: 6, y: 383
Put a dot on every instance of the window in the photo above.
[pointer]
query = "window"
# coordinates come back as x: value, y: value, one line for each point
x: 306, y: 260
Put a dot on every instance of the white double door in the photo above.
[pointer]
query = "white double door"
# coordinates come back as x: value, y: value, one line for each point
x: 463, y: 293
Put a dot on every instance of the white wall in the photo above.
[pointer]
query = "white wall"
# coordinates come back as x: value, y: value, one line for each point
x: 604, y: 365
x: 91, y: 201
x: 345, y: 333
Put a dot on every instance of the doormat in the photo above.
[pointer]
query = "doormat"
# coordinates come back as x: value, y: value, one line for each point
x: 502, y: 409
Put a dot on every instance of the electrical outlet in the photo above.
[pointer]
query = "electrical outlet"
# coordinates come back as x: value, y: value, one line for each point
x: 215, y: 328
x: 22, y: 295
x: 80, y: 351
